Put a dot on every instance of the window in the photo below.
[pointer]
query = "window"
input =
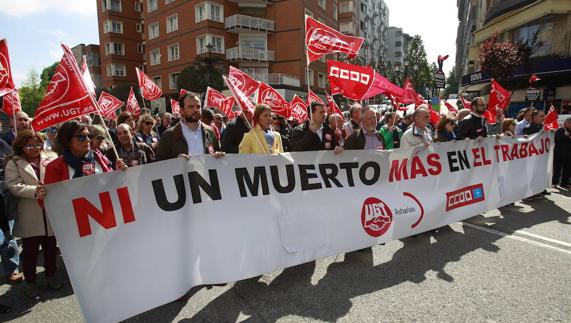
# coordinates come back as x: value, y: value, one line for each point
x: 398, y: 54
x: 346, y: 6
x: 321, y: 80
x: 309, y: 12
x: 398, y: 44
x: 157, y: 81
x: 113, y: 26
x: 140, y: 48
x: 154, y: 30
x: 310, y: 76
x: 203, y: 41
x: 398, y: 33
x: 169, y: 1
x: 139, y: 27
x: 209, y: 11
x: 116, y: 70
x: 173, y: 53
x: 114, y: 49
x: 172, y: 23
x: 138, y: 6
x: 322, y: 4
x: 335, y: 11
x: 111, y: 5
x: 155, y: 56
x: 173, y: 81
x: 152, y: 5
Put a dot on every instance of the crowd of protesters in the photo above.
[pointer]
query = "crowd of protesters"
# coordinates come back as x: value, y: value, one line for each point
x: 88, y: 146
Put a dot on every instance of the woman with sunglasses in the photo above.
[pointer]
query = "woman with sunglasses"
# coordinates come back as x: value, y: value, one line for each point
x: 445, y: 129
x: 145, y: 132
x: 25, y: 171
x: 78, y: 158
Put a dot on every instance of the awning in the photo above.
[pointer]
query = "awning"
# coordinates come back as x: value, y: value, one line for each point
x: 474, y: 87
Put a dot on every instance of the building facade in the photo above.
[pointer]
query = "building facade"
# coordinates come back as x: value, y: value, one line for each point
x: 547, y: 21
x: 396, y: 47
x: 93, y: 61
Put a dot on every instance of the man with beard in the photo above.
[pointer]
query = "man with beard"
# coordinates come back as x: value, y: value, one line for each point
x: 474, y: 125
x: 189, y: 137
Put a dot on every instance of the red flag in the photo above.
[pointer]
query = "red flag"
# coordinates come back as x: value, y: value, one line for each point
x: 382, y: 85
x: 175, y: 106
x: 311, y: 97
x: 6, y: 82
x: 242, y: 81
x: 271, y: 97
x: 551, y: 120
x: 434, y: 116
x: 450, y: 107
x: 66, y: 97
x: 499, y: 97
x: 214, y: 99
x: 332, y: 107
x: 108, y: 104
x: 11, y: 103
x: 351, y: 81
x: 227, y: 108
x: 132, y: 104
x: 466, y: 103
x: 182, y: 92
x: 298, y: 108
x: 533, y: 78
x: 149, y: 90
x: 240, y: 97
x: 409, y: 94
x: 321, y: 40
x: 86, y: 75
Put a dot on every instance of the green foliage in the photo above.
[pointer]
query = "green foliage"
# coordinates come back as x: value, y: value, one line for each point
x: 417, y: 68
x: 31, y: 93
x: 452, y: 83
x: 47, y: 74
x: 202, y: 74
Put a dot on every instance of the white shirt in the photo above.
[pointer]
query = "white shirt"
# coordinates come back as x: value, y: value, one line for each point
x: 193, y: 139
x: 520, y: 126
x: 319, y: 133
x: 414, y: 136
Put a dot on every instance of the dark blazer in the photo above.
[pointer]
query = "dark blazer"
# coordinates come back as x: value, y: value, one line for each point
x: 356, y: 141
x: 303, y: 139
x: 562, y: 145
x: 532, y: 128
x: 472, y: 127
x: 233, y: 134
x: 172, y: 142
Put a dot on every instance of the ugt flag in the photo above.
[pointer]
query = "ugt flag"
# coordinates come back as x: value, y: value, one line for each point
x: 550, y: 121
x: 6, y: 82
x: 242, y: 81
x: 66, y: 97
x: 240, y: 97
x: 321, y: 40
x: 133, y: 104
x: 175, y: 106
x: 298, y: 109
x: 11, y: 103
x: 149, y: 90
x: 271, y: 97
x: 108, y: 104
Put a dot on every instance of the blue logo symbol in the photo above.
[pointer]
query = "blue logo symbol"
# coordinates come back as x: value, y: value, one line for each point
x: 477, y: 193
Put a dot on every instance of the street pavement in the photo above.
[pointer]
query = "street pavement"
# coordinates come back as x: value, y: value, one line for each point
x: 507, y: 265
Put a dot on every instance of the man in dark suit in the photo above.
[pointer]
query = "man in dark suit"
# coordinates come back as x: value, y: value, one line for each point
x: 367, y: 137
x: 190, y: 137
x: 474, y: 125
x: 313, y: 134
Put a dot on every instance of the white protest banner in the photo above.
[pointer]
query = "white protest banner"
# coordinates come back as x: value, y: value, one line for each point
x: 208, y: 221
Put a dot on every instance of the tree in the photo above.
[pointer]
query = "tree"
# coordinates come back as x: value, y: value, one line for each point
x: 31, y: 93
x: 203, y: 73
x: 416, y: 67
x: 498, y: 58
x: 47, y: 74
x: 451, y: 83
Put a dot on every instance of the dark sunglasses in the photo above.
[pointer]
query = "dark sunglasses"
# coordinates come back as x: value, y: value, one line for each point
x: 150, y: 123
x: 83, y: 138
x: 51, y: 130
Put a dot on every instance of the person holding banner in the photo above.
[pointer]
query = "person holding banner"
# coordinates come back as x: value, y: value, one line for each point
x: 335, y: 122
x: 354, y: 122
x: 190, y: 137
x: 508, y: 127
x: 445, y: 129
x: 261, y: 139
x: 536, y: 124
x: 390, y: 132
x: 367, y: 137
x: 474, y: 125
x: 78, y: 158
x: 25, y: 171
x: 313, y: 134
x: 418, y: 133
x: 132, y: 153
x: 145, y: 133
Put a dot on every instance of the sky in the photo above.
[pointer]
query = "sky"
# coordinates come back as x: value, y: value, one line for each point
x: 35, y: 28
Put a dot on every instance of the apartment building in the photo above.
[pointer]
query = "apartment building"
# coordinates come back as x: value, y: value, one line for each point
x: 93, y: 61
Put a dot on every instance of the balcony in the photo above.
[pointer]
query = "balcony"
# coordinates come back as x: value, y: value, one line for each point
x: 250, y: 54
x: 277, y: 79
x: 242, y: 23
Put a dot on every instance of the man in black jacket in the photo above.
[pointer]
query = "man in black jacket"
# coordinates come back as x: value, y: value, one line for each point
x: 313, y: 134
x: 234, y: 132
x: 474, y: 125
x: 562, y: 156
x: 367, y: 137
x: 536, y: 124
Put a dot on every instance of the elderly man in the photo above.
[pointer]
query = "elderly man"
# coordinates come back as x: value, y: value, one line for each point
x: 536, y: 124
x: 418, y: 133
x: 524, y: 122
x: 474, y: 125
x: 22, y: 122
x: 354, y: 122
x: 367, y: 137
x: 132, y: 153
x: 335, y: 122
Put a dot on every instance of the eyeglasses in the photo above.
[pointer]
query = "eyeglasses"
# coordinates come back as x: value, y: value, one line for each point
x: 100, y: 138
x: 51, y: 130
x: 82, y: 137
x: 150, y: 123
x: 37, y: 146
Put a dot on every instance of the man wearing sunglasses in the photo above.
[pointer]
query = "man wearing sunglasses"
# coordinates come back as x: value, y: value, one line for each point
x: 189, y: 137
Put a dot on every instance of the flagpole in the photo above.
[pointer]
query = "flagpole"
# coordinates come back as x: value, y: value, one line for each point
x: 307, y: 62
